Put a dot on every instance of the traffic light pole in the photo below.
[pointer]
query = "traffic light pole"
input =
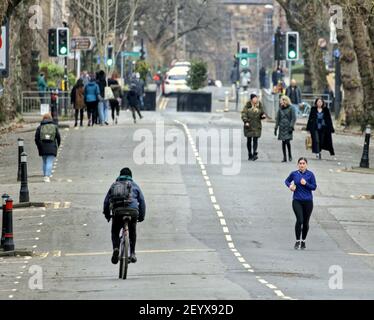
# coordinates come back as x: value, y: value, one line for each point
x: 237, y: 84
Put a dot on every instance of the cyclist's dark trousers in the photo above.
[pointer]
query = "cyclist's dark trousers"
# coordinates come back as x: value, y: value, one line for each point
x: 249, y: 146
x: 114, y: 105
x: 133, y: 109
x: 117, y: 225
x: 303, y: 211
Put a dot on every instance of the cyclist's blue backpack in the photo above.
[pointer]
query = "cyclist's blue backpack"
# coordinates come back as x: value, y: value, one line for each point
x: 121, y: 193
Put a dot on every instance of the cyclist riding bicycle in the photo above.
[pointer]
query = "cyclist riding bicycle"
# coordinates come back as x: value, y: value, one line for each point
x: 136, y: 202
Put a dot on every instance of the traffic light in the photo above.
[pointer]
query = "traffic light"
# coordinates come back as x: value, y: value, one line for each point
x: 109, y: 59
x: 280, y: 46
x: 62, y: 42
x: 244, y: 61
x: 52, y: 42
x: 292, y: 45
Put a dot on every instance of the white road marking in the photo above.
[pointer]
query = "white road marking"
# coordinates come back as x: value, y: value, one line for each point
x: 231, y: 245
x: 263, y: 281
x: 237, y: 254
x: 228, y: 238
x: 271, y: 286
x: 211, y: 192
x: 220, y: 214
x: 225, y: 230
x: 247, y: 266
x: 279, y: 293
x: 223, y: 222
x: 214, y: 200
x: 241, y: 259
x: 208, y: 183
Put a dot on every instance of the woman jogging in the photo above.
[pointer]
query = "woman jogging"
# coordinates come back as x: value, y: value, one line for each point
x: 302, y: 182
x: 286, y: 119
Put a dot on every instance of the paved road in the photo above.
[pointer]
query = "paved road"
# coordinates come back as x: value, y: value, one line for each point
x: 206, y: 235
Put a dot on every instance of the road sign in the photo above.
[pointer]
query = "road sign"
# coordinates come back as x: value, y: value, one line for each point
x: 82, y: 43
x: 4, y: 51
x: 250, y: 55
x: 131, y: 54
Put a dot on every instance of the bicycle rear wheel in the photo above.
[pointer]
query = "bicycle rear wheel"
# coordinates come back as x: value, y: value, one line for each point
x: 124, y: 254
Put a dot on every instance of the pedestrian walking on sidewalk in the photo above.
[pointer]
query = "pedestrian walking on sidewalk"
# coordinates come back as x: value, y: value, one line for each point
x: 103, y: 103
x: 133, y: 100
x: 252, y: 115
x: 77, y: 100
x: 302, y: 182
x: 91, y: 99
x: 117, y: 93
x: 285, y: 122
x: 47, y: 139
x: 321, y: 128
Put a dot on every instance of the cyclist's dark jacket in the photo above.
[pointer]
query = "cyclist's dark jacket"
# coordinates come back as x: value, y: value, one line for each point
x: 137, y: 196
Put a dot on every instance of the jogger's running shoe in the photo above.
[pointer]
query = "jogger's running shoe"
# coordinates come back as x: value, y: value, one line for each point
x: 302, y: 247
x: 297, y: 245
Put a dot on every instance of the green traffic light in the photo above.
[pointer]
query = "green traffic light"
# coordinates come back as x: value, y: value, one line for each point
x: 63, y: 50
x: 244, y: 62
x: 292, y: 54
x: 110, y: 62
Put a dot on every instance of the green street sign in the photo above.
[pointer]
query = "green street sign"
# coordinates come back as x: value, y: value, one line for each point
x: 250, y: 55
x: 130, y: 54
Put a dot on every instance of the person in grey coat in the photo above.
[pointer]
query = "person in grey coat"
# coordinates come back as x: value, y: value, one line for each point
x: 285, y: 122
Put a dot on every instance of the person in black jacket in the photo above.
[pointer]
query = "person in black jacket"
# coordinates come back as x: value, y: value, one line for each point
x: 48, y: 140
x: 133, y: 99
x: 321, y: 128
x: 117, y: 92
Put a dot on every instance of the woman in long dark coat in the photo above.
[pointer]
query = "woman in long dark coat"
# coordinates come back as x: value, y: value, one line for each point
x: 285, y: 122
x: 321, y: 128
x: 252, y: 115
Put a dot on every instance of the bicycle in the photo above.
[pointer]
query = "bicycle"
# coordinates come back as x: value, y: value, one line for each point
x: 124, y: 252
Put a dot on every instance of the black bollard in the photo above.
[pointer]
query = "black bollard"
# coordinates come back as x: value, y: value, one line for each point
x: 365, y: 155
x: 4, y: 198
x: 9, y: 242
x: 20, y: 151
x: 24, y: 192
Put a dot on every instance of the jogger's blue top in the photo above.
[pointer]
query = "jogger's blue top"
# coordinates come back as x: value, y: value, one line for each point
x: 302, y: 193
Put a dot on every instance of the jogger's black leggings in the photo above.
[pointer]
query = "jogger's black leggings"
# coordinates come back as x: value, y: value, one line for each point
x: 303, y: 211
x: 249, y: 145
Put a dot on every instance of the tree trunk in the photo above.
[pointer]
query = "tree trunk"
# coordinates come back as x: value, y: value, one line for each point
x: 353, y: 91
x: 306, y: 17
x: 362, y: 46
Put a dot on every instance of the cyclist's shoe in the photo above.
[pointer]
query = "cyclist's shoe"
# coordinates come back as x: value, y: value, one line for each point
x: 115, y: 256
x: 133, y: 258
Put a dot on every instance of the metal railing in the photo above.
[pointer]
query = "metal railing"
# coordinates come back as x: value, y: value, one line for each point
x: 32, y: 101
x: 270, y: 102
